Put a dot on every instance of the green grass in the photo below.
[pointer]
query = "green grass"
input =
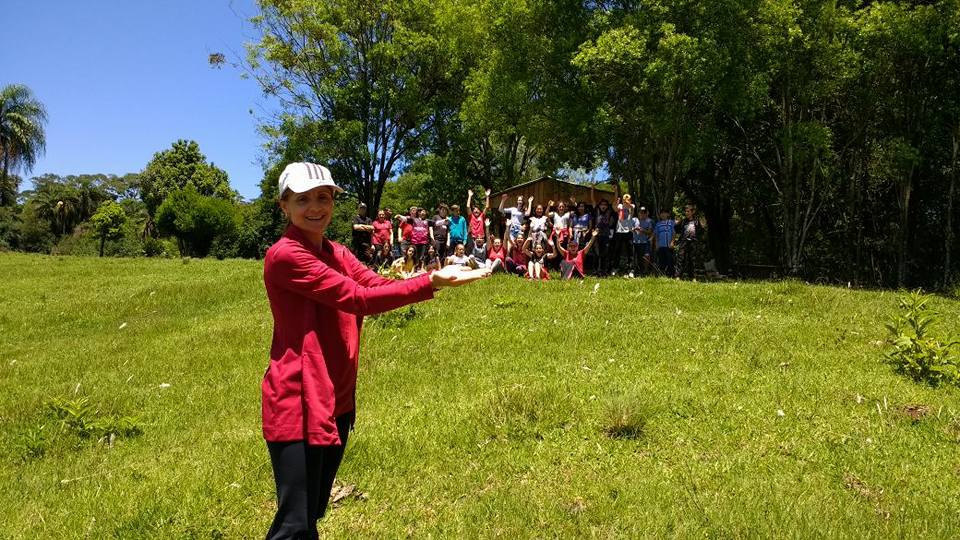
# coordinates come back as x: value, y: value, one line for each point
x: 515, y: 409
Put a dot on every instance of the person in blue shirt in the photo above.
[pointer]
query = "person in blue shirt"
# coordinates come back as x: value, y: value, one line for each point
x: 458, y: 227
x: 642, y: 236
x: 663, y: 236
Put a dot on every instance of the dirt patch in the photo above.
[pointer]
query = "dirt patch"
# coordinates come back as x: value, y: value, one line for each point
x: 915, y: 411
x: 872, y: 494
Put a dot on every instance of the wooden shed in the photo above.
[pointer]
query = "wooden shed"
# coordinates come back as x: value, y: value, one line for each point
x: 547, y: 188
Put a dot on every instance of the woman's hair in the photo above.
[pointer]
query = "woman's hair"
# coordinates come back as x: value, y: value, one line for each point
x: 628, y: 199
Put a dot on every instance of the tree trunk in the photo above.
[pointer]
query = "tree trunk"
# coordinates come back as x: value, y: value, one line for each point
x: 103, y: 241
x: 905, y: 192
x: 948, y: 238
x: 5, y: 179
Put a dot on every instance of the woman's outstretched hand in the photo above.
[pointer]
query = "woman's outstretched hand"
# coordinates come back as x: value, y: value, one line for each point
x: 456, y: 275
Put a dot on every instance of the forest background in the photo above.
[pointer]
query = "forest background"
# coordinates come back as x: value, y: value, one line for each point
x: 819, y: 138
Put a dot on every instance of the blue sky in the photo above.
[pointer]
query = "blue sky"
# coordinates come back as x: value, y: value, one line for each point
x: 122, y: 80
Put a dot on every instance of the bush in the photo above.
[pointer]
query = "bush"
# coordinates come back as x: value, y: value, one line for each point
x: 156, y: 247
x: 196, y: 221
x: 914, y: 352
x: 84, y: 242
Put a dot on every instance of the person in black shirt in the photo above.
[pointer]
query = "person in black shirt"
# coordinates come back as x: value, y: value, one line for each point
x: 362, y: 231
x: 690, y: 240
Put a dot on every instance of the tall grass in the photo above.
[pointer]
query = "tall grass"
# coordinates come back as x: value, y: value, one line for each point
x: 648, y: 408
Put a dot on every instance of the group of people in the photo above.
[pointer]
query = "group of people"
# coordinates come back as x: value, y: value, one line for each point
x: 528, y: 240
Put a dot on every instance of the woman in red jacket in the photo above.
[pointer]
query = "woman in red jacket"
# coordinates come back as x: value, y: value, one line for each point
x: 319, y: 293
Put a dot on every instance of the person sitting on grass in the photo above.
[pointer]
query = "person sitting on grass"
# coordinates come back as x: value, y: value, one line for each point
x: 478, y: 251
x: 537, y: 259
x: 572, y: 263
x: 496, y: 253
x: 406, y: 266
x: 460, y: 257
x: 383, y: 257
x: 319, y: 294
x: 430, y: 260
x: 516, y: 258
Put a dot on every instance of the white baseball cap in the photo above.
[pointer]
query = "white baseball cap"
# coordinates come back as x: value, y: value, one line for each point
x: 301, y: 176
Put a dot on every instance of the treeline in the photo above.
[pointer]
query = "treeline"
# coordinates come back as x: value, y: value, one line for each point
x: 817, y: 137
x: 179, y: 205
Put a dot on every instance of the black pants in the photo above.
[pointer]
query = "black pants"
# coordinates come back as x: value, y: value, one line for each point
x: 602, y: 247
x: 304, y: 476
x: 665, y: 261
x: 622, y: 246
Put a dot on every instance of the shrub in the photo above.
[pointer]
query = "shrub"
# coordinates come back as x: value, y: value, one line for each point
x: 83, y: 419
x: 196, y: 221
x: 916, y: 353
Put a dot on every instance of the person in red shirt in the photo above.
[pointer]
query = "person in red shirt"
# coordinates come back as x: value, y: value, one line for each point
x: 319, y: 293
x: 572, y: 263
x: 477, y: 218
x: 382, y: 230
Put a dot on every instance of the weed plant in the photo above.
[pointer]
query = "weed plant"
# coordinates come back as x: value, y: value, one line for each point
x: 915, y: 351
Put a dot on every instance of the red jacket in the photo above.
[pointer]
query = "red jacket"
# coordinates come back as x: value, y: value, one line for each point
x: 318, y: 299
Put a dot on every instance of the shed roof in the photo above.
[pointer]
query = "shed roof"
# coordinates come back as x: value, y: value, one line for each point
x: 598, y: 187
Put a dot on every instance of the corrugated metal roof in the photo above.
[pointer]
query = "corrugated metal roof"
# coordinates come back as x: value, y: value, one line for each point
x: 599, y: 187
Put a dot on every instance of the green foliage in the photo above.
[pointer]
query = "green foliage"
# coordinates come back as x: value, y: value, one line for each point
x: 84, y: 419
x: 914, y: 351
x: 178, y: 167
x: 196, y: 221
x: 398, y: 318
x: 364, y: 79
x: 108, y: 222
x: 10, y: 225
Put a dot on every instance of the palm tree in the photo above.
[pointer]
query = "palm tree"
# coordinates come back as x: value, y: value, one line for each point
x: 22, y: 138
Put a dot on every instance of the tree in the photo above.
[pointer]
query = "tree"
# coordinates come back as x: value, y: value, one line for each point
x: 108, y: 222
x: 363, y: 76
x: 195, y: 220
x: 178, y: 167
x: 22, y: 136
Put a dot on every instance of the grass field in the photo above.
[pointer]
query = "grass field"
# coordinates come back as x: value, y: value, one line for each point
x: 644, y: 408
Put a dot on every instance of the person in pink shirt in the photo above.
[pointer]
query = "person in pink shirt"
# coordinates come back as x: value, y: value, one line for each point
x: 572, y: 263
x: 497, y: 253
x: 319, y: 294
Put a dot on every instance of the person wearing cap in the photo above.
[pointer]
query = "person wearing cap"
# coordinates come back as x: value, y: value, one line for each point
x: 319, y: 294
x: 362, y: 229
